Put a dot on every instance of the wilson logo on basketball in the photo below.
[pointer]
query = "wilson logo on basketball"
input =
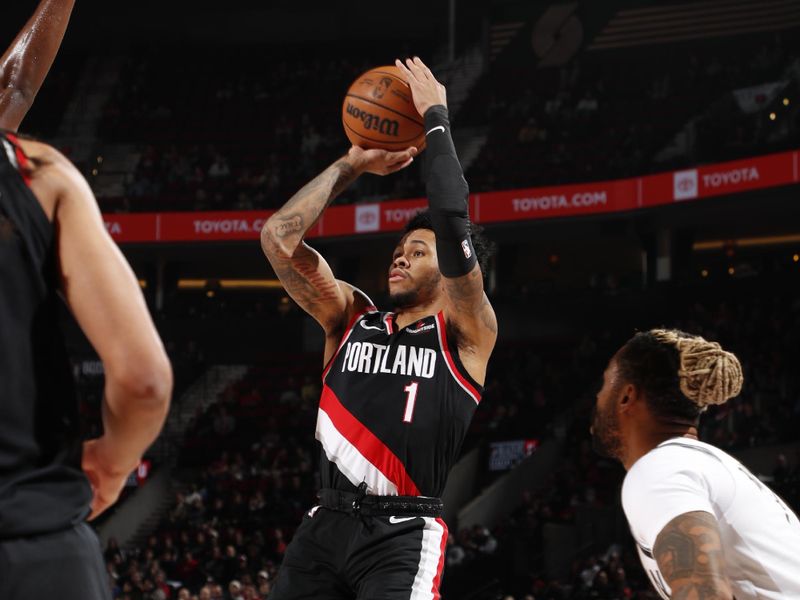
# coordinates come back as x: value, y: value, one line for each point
x: 372, y: 121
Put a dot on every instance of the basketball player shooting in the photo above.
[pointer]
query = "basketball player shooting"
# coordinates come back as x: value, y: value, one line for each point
x: 26, y: 62
x: 705, y: 526
x: 400, y: 387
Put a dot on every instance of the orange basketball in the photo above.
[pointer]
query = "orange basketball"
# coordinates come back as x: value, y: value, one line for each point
x: 378, y: 112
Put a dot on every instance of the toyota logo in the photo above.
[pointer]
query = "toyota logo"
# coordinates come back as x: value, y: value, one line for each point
x: 367, y: 218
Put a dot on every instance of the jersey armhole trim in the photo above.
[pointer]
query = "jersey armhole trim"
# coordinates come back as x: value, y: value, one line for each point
x: 22, y: 160
x: 348, y: 330
x: 463, y: 379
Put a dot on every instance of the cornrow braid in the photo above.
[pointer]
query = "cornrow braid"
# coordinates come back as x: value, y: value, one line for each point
x: 708, y: 374
x: 680, y: 374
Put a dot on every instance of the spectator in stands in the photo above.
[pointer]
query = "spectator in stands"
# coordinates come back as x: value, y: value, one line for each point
x: 219, y: 169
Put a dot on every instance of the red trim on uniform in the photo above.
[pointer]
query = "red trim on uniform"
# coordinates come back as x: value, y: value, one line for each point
x: 370, y: 447
x: 21, y: 158
x: 347, y: 331
x: 440, y: 569
x: 389, y: 323
x: 449, y: 357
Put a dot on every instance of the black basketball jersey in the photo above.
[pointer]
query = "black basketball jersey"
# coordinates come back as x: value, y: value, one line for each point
x: 395, y: 407
x: 42, y: 487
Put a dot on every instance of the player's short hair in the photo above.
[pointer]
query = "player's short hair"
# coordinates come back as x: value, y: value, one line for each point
x: 680, y: 374
x: 484, y: 247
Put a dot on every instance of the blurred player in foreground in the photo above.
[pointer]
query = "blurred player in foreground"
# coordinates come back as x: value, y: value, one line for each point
x: 54, y: 245
x: 26, y: 62
x: 704, y: 525
x: 400, y: 387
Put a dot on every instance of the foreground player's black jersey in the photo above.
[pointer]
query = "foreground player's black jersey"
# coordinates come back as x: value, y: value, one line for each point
x: 395, y: 407
x: 42, y: 488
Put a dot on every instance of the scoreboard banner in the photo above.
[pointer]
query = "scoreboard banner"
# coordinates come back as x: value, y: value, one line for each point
x: 506, y: 206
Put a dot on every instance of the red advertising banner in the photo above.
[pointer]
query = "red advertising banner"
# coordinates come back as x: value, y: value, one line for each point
x: 132, y: 228
x: 562, y: 201
x: 211, y: 226
x: 721, y: 179
x: 494, y: 207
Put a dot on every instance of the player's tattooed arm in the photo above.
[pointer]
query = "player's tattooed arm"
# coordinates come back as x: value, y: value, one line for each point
x: 306, y: 276
x: 304, y: 273
x: 471, y: 320
x: 690, y: 556
x: 25, y: 64
x: 470, y: 307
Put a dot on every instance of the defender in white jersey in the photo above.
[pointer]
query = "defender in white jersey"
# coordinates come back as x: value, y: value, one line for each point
x: 705, y: 526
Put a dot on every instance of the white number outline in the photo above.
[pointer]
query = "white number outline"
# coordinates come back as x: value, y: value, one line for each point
x: 411, y: 400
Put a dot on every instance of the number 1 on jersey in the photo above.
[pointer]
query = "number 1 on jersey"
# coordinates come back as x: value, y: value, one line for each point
x: 411, y: 399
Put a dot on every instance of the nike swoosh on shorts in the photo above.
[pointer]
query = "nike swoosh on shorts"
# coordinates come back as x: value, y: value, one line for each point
x: 394, y: 520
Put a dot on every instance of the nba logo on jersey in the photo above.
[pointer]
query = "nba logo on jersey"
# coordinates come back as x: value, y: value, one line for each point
x: 466, y: 249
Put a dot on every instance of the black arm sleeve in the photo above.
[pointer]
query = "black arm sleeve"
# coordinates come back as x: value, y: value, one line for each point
x: 448, y: 197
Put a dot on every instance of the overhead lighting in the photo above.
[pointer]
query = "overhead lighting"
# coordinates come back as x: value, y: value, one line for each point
x: 731, y: 271
x: 786, y: 102
x: 772, y: 116
x: 771, y: 240
x: 230, y: 284
x: 704, y: 273
x: 252, y: 284
x: 192, y: 284
x: 143, y: 283
x: 796, y: 258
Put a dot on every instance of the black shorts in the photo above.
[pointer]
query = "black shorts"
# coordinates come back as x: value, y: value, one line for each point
x: 340, y: 556
x: 67, y: 565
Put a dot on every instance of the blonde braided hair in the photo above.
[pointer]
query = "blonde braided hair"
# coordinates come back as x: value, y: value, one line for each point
x: 708, y: 374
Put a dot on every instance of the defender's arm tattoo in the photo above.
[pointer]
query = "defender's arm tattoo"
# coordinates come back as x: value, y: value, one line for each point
x: 690, y: 556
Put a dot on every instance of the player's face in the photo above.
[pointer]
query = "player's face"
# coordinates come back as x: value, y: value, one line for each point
x: 414, y: 276
x: 606, y: 432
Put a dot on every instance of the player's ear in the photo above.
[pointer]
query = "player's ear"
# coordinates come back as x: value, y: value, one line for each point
x: 629, y: 397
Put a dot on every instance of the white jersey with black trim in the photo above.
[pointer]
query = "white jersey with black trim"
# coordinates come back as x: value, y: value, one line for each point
x: 760, y: 533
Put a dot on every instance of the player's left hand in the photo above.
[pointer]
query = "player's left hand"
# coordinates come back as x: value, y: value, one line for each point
x: 381, y: 162
x: 107, y: 483
x: 425, y: 89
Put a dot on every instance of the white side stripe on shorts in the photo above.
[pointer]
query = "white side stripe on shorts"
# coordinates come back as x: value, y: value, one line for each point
x: 430, y: 556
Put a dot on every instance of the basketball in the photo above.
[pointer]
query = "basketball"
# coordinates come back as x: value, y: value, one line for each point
x: 378, y: 112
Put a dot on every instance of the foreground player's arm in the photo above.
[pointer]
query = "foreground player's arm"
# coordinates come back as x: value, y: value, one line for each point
x: 27, y: 61
x: 448, y: 197
x: 690, y: 556
x: 104, y: 296
x: 304, y: 273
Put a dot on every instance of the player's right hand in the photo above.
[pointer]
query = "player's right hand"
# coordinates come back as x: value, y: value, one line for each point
x: 381, y: 162
x: 425, y: 88
x: 106, y: 481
